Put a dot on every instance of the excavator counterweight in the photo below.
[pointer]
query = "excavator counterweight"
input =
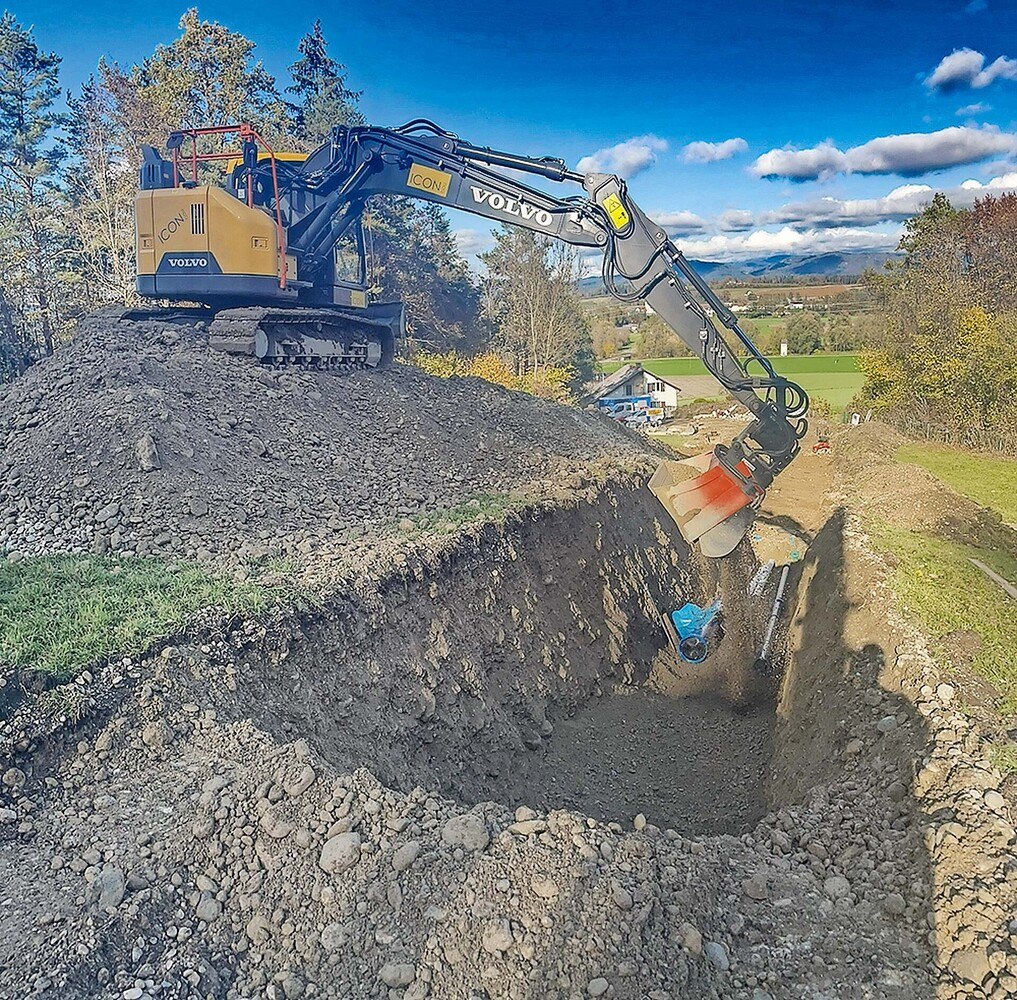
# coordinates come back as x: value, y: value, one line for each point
x: 277, y: 251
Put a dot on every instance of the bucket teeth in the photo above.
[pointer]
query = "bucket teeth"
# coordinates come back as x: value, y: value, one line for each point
x: 706, y: 502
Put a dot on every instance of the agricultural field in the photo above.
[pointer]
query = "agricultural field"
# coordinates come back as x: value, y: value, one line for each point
x: 833, y: 377
x: 761, y: 325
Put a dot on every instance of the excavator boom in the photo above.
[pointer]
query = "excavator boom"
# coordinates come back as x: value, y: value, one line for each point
x: 265, y: 250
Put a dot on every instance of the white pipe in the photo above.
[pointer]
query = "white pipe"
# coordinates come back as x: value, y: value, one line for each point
x: 778, y: 603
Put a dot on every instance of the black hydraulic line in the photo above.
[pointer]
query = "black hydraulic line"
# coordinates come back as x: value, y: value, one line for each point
x: 317, y: 232
x: 424, y: 125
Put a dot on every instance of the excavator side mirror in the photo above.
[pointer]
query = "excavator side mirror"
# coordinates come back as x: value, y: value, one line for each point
x: 175, y: 140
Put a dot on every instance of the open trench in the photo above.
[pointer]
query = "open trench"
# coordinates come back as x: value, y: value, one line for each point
x: 520, y: 664
x: 526, y: 664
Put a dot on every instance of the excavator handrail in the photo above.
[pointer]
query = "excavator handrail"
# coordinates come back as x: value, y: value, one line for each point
x: 247, y: 133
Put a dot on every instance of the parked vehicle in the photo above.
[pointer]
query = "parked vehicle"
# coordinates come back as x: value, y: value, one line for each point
x: 632, y: 410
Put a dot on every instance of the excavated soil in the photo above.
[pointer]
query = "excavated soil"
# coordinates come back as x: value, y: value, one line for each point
x: 473, y: 768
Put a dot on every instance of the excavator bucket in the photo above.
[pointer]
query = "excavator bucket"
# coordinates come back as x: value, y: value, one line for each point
x: 706, y: 501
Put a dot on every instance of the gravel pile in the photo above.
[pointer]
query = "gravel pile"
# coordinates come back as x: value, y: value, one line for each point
x: 138, y: 439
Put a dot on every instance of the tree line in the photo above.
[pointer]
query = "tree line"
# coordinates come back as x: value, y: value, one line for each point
x: 946, y: 359
x: 68, y: 174
x: 804, y: 331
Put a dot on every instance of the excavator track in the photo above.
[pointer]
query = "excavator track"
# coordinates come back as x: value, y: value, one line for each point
x: 330, y: 339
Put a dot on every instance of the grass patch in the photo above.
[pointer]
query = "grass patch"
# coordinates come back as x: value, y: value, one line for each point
x: 986, y: 479
x: 59, y: 614
x: 480, y: 507
x: 758, y: 325
x: 682, y: 443
x: 837, y: 388
x: 945, y: 593
x: 1004, y: 756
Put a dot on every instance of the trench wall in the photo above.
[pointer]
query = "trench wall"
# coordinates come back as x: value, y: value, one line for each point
x: 464, y: 659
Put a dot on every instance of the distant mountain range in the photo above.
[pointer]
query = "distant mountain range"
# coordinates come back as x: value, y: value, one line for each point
x: 777, y: 267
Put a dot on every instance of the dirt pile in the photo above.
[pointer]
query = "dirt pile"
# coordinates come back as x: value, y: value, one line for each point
x: 138, y: 439
x: 909, y: 496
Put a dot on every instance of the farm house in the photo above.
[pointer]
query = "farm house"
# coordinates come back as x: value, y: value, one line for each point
x: 631, y: 381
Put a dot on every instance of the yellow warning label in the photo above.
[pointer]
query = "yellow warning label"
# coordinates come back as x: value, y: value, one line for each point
x: 616, y: 211
x: 358, y: 299
x: 429, y: 180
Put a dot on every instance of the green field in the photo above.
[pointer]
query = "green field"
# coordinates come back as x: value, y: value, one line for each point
x: 762, y: 324
x: 837, y: 388
x: 936, y: 582
x: 833, y: 377
x: 795, y: 364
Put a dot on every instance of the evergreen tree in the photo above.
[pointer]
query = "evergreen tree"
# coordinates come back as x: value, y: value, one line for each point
x: 206, y: 76
x: 415, y: 258
x: 322, y: 98
x: 33, y: 237
x: 209, y: 76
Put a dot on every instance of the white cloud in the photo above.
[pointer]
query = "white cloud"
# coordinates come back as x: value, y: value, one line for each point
x: 901, y: 203
x: 472, y: 241
x: 710, y: 152
x: 820, y: 161
x: 908, y: 155
x: 1008, y: 182
x: 680, y: 223
x: 761, y: 242
x: 626, y: 159
x: 735, y: 220
x: 973, y: 109
x: 965, y: 68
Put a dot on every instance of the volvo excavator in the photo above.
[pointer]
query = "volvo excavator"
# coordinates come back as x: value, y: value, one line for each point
x: 276, y: 255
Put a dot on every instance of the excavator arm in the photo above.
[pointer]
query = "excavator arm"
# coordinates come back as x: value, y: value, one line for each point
x: 318, y: 201
x: 640, y: 264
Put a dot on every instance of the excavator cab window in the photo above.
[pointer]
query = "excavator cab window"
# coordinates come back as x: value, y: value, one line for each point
x: 350, y: 262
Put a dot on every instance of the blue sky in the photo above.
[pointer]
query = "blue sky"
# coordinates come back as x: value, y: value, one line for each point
x: 827, y: 123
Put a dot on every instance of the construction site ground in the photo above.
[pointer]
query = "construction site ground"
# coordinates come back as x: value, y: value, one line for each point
x: 450, y: 753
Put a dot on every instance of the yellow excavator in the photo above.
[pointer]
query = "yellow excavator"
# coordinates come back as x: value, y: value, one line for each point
x: 276, y: 257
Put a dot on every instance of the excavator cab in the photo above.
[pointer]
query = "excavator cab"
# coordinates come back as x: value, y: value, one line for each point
x: 228, y: 247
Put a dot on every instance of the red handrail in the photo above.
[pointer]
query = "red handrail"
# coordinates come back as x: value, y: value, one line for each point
x: 247, y: 133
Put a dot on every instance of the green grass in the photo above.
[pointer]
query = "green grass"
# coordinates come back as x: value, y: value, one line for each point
x: 795, y: 364
x: 837, y: 388
x: 450, y: 520
x: 986, y: 479
x: 945, y: 593
x: 60, y: 614
x: 762, y: 324
x: 681, y: 443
